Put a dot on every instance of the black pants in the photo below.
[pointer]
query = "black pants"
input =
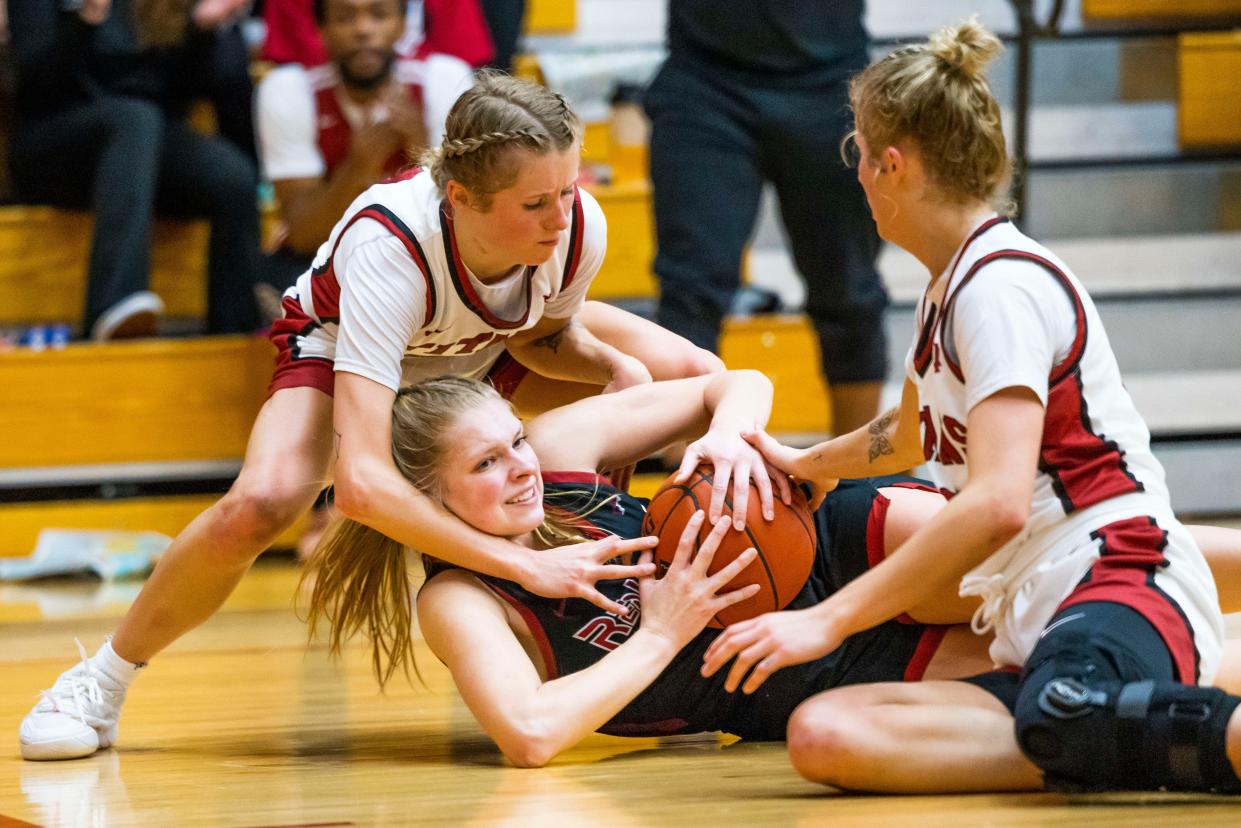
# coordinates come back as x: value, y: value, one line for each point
x: 714, y: 141
x: 125, y: 160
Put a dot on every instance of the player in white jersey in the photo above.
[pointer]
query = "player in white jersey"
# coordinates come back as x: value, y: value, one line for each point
x: 1105, y: 615
x: 479, y: 266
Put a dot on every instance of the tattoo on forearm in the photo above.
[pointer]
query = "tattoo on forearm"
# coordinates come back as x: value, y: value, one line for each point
x: 880, y: 445
x: 552, y: 340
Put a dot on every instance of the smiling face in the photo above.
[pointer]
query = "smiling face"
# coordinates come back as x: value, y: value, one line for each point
x: 522, y: 223
x: 490, y: 476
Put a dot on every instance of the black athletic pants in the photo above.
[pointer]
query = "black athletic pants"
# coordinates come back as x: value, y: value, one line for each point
x: 125, y: 159
x: 714, y: 141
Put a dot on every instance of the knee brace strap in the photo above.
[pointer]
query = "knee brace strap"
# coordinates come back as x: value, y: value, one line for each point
x: 1145, y: 734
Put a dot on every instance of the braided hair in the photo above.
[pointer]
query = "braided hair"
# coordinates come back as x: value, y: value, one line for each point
x: 497, y: 114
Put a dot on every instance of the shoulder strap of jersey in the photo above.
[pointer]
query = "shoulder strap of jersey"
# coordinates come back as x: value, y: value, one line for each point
x: 574, y: 256
x: 1070, y: 361
x: 324, y: 285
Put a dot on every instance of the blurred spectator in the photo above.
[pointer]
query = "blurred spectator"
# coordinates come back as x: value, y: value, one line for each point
x: 328, y: 133
x: 504, y: 19
x: 449, y: 27
x: 100, y: 102
x: 754, y: 91
x: 6, y: 103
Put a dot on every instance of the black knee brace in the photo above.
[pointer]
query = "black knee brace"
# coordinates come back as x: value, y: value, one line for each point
x: 1088, y: 732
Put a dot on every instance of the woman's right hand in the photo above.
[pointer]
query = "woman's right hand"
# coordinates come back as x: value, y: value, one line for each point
x: 797, y: 463
x: 678, y: 605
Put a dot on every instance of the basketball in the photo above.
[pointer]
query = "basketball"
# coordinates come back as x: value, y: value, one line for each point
x: 785, y: 544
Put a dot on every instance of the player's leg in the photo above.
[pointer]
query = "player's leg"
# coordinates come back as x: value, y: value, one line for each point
x: 922, y: 737
x: 285, y: 468
x: 1105, y: 702
x: 1222, y: 549
x: 287, y: 463
x: 834, y: 245
x: 707, y: 183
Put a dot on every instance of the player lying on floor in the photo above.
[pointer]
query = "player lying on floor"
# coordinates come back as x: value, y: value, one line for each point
x: 540, y: 674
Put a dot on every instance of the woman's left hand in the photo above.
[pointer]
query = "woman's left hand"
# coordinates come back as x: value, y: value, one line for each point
x: 768, y: 643
x: 734, y: 459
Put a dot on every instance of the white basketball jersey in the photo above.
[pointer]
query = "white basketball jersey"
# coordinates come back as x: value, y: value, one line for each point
x: 1095, y: 445
x: 458, y: 333
x: 1095, y: 465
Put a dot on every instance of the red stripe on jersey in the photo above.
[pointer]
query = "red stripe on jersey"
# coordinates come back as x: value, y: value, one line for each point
x: 461, y: 281
x: 928, y: 645
x: 926, y: 336
x: 1131, y: 551
x: 532, y: 624
x: 327, y: 291
x: 1085, y: 468
x: 575, y: 242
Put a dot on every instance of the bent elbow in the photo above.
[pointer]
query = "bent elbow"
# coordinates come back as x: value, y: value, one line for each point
x: 527, y: 750
x: 352, y: 497
x: 1007, y: 516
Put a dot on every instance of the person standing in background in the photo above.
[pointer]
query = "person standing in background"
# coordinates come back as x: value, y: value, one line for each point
x: 754, y: 91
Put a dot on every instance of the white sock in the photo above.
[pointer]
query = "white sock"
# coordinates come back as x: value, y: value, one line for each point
x: 113, y: 666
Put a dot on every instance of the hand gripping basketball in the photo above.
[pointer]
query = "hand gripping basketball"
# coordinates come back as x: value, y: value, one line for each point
x: 785, y: 545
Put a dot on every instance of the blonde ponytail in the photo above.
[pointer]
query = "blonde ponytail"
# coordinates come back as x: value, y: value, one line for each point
x: 936, y: 95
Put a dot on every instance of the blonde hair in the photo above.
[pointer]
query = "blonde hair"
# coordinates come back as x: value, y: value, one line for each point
x: 495, y: 116
x: 360, y: 577
x: 936, y: 94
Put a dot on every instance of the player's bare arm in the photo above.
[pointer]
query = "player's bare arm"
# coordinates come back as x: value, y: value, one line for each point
x: 564, y: 349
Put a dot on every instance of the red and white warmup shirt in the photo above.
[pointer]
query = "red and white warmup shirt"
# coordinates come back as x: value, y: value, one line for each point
x: 305, y: 121
x: 388, y: 297
x: 1008, y: 313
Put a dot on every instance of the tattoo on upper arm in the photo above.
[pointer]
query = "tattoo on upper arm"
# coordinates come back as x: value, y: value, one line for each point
x: 880, y: 445
x: 336, y: 443
x: 552, y: 340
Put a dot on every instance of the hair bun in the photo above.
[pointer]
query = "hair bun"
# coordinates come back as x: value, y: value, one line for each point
x: 969, y: 47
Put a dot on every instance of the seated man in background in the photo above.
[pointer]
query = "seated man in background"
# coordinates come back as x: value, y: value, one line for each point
x: 327, y: 133
x: 101, y: 100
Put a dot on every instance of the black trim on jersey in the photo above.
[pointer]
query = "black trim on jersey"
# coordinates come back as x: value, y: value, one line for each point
x: 922, y: 352
x: 575, y: 242
x: 1193, y: 639
x: 394, y: 225
x: 1052, y: 472
x: 465, y: 292
x: 1076, y: 350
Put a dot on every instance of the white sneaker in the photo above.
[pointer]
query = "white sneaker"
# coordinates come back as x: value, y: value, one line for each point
x: 76, y: 717
x: 133, y: 317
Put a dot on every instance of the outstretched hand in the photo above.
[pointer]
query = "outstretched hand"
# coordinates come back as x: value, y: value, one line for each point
x: 679, y: 605
x: 572, y: 571
x: 733, y: 460
x: 793, y: 462
x: 768, y: 643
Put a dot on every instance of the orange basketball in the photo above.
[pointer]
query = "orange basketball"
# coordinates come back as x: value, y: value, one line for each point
x: 785, y: 545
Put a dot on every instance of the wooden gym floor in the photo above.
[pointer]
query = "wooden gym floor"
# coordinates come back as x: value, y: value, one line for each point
x: 239, y: 724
